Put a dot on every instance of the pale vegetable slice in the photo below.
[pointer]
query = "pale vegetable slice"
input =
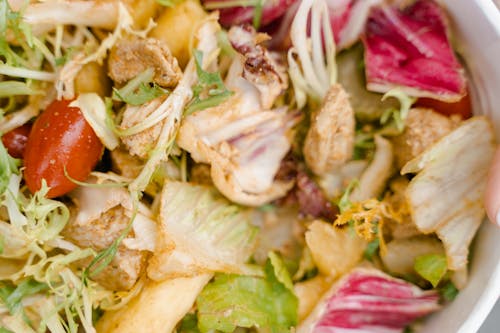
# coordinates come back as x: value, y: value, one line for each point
x: 334, y: 250
x: 333, y: 183
x: 311, y: 60
x: 399, y: 257
x: 94, y: 110
x: 158, y: 308
x: 375, y: 176
x: 309, y: 292
x: 445, y: 196
x: 15, y: 243
x: 200, y: 232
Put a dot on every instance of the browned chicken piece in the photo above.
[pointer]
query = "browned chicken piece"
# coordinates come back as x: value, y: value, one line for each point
x: 99, y: 217
x: 330, y: 139
x: 140, y: 144
x: 131, y: 57
x: 423, y: 127
x: 200, y: 174
x: 126, y: 267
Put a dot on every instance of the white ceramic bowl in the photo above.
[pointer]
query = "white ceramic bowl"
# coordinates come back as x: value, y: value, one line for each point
x: 476, y: 25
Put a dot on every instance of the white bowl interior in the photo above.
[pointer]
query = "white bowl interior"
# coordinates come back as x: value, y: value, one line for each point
x: 476, y: 25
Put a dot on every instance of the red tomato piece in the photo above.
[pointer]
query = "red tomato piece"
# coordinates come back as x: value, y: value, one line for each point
x: 15, y: 140
x: 60, y: 139
x: 462, y: 108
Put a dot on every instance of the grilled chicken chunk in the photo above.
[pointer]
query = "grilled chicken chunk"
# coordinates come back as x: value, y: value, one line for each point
x: 330, y: 139
x: 131, y: 57
x: 100, y: 217
x: 423, y: 127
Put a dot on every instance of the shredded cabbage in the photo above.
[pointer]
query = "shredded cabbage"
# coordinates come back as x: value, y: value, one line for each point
x: 34, y: 260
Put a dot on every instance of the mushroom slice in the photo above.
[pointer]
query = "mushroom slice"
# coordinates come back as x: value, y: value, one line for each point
x: 445, y: 196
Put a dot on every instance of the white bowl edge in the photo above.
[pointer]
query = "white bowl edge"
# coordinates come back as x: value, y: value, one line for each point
x: 477, y: 26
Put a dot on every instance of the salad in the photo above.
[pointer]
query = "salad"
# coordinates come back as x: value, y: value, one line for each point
x: 308, y: 166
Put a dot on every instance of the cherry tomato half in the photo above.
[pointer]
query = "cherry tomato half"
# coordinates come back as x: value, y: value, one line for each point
x: 15, y: 140
x: 462, y: 108
x: 60, y: 139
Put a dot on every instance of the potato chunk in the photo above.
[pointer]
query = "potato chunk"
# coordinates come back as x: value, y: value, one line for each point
x: 335, y: 251
x: 176, y: 25
x: 142, y: 11
x: 158, y: 308
x: 92, y: 78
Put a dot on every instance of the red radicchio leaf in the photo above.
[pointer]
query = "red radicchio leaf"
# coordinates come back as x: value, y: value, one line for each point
x: 306, y: 193
x: 237, y: 15
x: 339, y: 11
x: 368, y: 300
x: 410, y: 49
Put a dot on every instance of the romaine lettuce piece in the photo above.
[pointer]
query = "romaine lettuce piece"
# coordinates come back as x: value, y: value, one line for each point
x: 232, y: 301
x: 200, y: 231
x: 431, y: 267
x: 446, y: 195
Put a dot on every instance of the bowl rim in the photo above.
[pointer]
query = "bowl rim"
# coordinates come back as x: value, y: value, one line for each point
x: 491, y: 291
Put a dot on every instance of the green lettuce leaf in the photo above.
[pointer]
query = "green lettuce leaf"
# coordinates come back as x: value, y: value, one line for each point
x: 372, y: 249
x: 12, y: 296
x: 8, y: 166
x: 144, y: 93
x: 431, y: 267
x: 189, y: 324
x: 280, y: 271
x: 210, y: 84
x: 210, y: 233
x: 448, y: 292
x: 231, y: 301
x: 344, y: 201
x: 139, y: 90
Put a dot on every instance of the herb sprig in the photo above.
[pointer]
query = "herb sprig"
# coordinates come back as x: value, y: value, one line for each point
x: 209, y: 84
